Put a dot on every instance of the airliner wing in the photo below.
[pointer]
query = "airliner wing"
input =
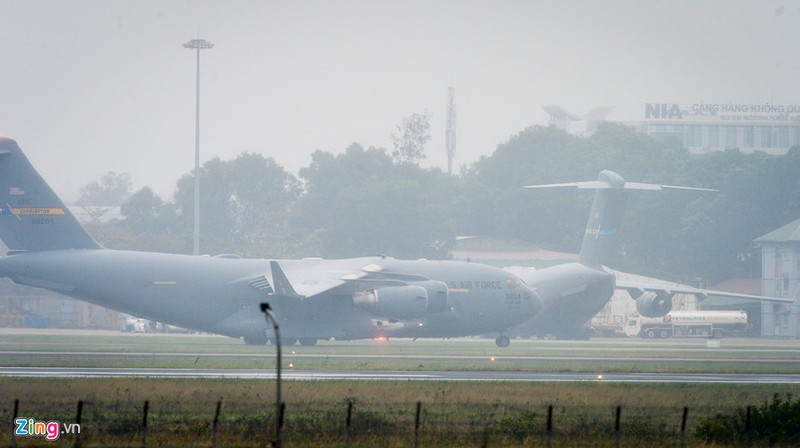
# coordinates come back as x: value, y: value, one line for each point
x: 637, y: 288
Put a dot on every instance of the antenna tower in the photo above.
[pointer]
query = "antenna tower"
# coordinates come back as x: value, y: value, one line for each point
x: 450, y: 133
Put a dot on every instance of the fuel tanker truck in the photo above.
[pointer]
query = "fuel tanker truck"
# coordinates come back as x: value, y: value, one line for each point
x: 688, y: 324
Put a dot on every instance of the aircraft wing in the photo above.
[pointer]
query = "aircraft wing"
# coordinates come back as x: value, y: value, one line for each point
x: 303, y: 279
x: 311, y: 279
x: 637, y: 288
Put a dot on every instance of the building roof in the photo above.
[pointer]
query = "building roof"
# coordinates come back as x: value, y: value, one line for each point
x: 489, y: 248
x: 788, y: 233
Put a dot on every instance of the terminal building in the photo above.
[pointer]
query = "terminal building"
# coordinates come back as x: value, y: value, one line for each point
x: 780, y: 277
x: 700, y: 127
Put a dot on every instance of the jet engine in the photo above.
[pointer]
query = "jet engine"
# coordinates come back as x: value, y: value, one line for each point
x: 651, y: 304
x: 394, y: 302
x: 437, y: 295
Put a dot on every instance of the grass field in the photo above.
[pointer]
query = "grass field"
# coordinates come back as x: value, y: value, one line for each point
x: 181, y: 412
x: 453, y: 414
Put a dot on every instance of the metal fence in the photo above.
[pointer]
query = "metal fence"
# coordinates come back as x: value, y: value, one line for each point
x: 349, y: 424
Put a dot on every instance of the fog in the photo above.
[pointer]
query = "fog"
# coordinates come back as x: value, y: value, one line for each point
x: 88, y: 87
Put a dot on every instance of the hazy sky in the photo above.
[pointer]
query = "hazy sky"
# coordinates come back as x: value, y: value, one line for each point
x: 88, y: 87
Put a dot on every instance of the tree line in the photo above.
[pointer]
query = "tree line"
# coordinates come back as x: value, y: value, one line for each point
x: 370, y: 201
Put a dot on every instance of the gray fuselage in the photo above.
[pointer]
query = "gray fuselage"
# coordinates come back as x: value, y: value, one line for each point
x: 221, y: 295
x: 571, y: 294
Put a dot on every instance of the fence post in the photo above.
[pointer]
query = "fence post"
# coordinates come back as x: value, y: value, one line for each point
x: 549, y: 426
x: 616, y: 426
x: 683, y: 426
x: 748, y: 428
x: 416, y: 425
x: 347, y: 424
x: 144, y: 423
x: 13, y: 422
x: 78, y: 422
x: 747, y: 420
x: 214, y: 426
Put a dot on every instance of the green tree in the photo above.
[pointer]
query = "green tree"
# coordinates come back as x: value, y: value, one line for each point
x: 498, y: 205
x: 143, y: 210
x: 757, y: 195
x: 410, y: 137
x: 241, y: 200
x: 111, y: 190
x: 329, y: 174
x: 359, y: 203
x: 148, y: 225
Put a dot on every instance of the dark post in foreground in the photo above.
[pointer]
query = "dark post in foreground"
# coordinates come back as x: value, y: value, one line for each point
x: 267, y: 310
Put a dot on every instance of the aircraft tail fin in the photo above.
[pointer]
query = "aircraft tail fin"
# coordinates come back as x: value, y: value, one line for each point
x: 32, y: 217
x: 608, y: 207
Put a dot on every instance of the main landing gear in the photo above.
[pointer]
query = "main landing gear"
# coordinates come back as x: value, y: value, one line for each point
x: 502, y: 341
x: 256, y: 339
x: 308, y: 342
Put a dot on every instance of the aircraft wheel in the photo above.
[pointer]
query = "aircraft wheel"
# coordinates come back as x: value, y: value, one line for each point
x: 502, y: 341
x: 308, y: 342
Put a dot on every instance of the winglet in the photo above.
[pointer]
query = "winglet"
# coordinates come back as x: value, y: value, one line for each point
x: 280, y: 283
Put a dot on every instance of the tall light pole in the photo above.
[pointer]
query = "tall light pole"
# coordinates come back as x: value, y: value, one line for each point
x: 197, y: 44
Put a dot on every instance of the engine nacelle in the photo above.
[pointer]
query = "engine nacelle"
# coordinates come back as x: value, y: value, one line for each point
x: 437, y: 295
x: 650, y: 304
x: 394, y: 302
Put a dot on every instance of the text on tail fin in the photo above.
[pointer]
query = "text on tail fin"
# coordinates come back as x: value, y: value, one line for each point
x: 32, y: 216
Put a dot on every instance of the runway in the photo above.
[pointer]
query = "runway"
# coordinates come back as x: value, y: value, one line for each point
x: 357, y: 357
x: 190, y: 356
x: 396, y: 375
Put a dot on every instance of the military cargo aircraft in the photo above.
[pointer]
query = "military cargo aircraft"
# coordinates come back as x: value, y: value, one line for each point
x: 313, y: 299
x: 572, y: 293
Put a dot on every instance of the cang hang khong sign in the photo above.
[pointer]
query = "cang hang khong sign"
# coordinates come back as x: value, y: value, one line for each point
x: 723, y: 111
